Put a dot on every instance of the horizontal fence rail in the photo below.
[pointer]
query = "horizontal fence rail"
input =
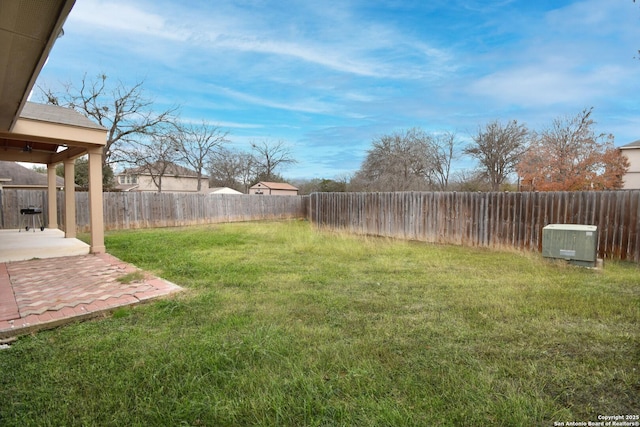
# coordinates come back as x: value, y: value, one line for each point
x: 475, y: 219
x: 128, y: 210
x: 485, y: 219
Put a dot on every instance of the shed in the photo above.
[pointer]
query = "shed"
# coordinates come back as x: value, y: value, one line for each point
x: 273, y: 189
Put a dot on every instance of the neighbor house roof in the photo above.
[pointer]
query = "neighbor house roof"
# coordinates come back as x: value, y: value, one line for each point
x: 172, y: 170
x: 634, y: 144
x: 21, y: 176
x: 18, y: 175
x: 275, y: 185
x: 223, y: 190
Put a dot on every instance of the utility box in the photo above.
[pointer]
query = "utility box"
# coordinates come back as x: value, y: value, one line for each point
x: 576, y: 243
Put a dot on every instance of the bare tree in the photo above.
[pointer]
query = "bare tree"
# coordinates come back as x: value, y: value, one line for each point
x: 233, y: 169
x: 197, y: 144
x: 246, y: 170
x: 469, y: 180
x: 407, y: 160
x: 268, y: 156
x: 442, y: 155
x: 155, y: 156
x: 124, y: 111
x: 499, y: 148
x: 397, y: 162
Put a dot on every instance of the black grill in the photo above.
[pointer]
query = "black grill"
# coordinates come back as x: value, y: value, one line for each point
x: 34, y: 213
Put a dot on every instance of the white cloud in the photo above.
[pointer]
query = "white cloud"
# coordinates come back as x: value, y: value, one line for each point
x: 574, y: 56
x: 344, y: 45
x: 118, y: 17
x: 362, y: 69
x: 308, y: 105
x: 535, y: 85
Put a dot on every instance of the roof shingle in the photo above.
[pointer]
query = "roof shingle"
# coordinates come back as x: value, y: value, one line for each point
x: 57, y: 114
x: 19, y: 175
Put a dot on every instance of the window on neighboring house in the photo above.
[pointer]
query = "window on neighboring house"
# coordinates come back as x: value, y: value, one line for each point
x: 128, y: 179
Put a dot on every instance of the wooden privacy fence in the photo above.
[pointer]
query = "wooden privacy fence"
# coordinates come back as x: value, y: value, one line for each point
x: 147, y: 210
x: 485, y: 219
x: 476, y: 219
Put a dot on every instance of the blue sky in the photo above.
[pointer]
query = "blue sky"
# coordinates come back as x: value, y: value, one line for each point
x: 327, y: 77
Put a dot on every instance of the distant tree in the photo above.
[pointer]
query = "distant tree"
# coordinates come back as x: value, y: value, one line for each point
x: 81, y: 174
x: 39, y: 169
x: 124, y: 111
x: 318, y: 185
x: 197, y: 144
x: 396, y: 162
x: 306, y: 186
x: 246, y: 169
x: 407, y: 160
x: 155, y: 156
x: 570, y: 156
x: 233, y: 169
x: 269, y: 156
x: 264, y: 177
x: 469, y: 180
x: 498, y: 148
x: 443, y: 152
x: 332, y: 186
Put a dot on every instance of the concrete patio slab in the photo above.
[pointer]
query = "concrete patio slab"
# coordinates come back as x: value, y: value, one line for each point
x: 23, y: 245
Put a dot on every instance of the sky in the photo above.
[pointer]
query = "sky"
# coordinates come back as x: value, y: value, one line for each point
x: 328, y: 77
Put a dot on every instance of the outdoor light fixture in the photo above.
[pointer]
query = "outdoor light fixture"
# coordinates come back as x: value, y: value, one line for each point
x: 27, y: 148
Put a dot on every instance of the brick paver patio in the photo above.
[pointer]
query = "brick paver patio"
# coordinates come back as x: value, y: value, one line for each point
x: 45, y: 293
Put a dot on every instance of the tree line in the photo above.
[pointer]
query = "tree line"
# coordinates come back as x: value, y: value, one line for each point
x: 567, y: 155
x: 141, y: 139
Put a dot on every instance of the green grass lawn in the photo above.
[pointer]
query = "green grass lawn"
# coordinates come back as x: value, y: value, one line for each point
x: 283, y: 325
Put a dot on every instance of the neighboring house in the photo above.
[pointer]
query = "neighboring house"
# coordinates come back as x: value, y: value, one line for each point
x: 274, y: 189
x: 175, y: 179
x: 15, y: 176
x: 632, y: 177
x: 223, y: 190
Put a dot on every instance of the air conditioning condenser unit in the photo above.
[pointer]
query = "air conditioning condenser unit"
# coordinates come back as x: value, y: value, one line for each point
x: 576, y: 243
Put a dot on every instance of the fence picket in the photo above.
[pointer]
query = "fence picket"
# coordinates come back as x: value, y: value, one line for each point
x: 144, y: 210
x: 489, y: 219
x: 477, y: 219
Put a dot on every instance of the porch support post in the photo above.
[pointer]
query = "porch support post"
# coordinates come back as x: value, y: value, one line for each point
x: 69, y: 199
x: 96, y: 214
x: 52, y: 209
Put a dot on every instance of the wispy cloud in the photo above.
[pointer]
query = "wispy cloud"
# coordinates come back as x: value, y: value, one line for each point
x: 371, y: 50
x: 124, y: 17
x: 306, y: 106
x: 546, y: 85
x: 329, y: 76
